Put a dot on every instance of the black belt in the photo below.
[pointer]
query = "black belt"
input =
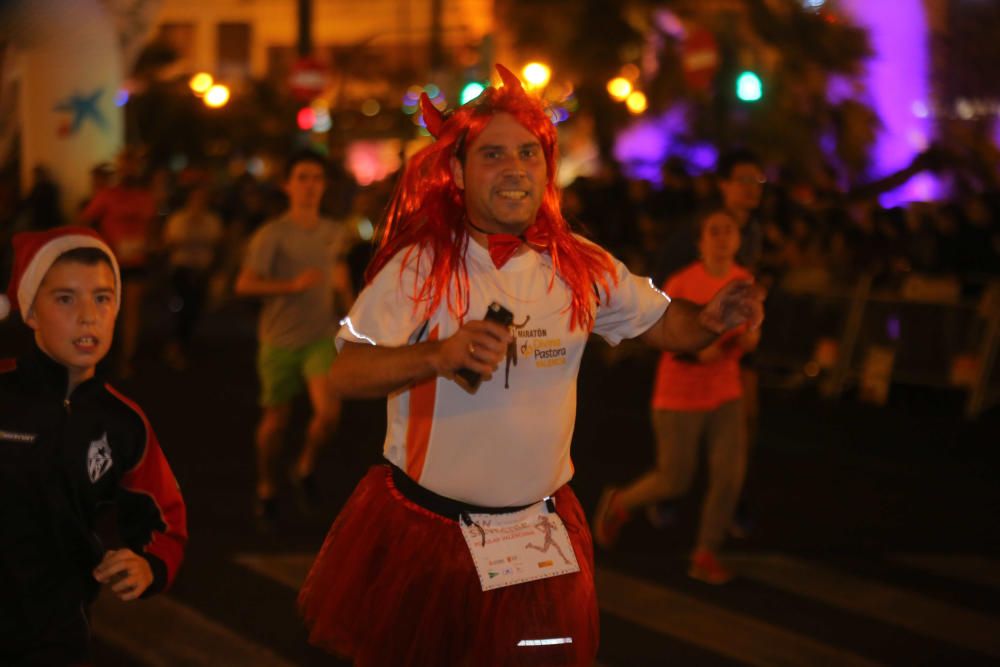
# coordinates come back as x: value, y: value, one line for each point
x: 449, y: 508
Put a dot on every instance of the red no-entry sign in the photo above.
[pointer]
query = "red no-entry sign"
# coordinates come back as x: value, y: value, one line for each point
x: 699, y: 58
x: 308, y: 78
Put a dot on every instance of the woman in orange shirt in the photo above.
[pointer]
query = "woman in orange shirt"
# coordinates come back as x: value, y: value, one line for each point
x: 695, y: 399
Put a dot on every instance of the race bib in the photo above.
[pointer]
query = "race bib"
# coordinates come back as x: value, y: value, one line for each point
x: 521, y: 546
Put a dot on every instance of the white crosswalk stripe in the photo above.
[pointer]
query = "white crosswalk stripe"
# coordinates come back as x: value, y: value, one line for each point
x: 919, y: 614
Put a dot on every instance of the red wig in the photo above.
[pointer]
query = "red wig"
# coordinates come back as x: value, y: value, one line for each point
x: 426, y: 216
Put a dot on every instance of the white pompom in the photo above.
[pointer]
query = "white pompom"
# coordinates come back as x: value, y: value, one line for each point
x: 4, y: 306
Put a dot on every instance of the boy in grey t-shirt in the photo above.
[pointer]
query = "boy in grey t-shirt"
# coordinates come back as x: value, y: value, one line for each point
x: 294, y: 263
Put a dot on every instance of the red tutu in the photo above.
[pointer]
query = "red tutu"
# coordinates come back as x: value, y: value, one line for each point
x: 395, y: 586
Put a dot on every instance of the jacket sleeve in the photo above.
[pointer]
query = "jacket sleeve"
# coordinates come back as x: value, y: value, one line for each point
x: 152, y: 516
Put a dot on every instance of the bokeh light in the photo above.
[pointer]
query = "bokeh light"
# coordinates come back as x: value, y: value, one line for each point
x: 471, y: 91
x: 630, y: 72
x: 217, y: 96
x: 366, y: 230
x: 619, y: 88
x: 749, y: 87
x: 323, y: 123
x: 536, y: 74
x: 306, y: 118
x: 557, y: 114
x: 636, y: 102
x: 201, y: 82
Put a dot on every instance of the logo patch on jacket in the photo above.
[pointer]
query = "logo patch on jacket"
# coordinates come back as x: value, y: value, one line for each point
x: 98, y: 458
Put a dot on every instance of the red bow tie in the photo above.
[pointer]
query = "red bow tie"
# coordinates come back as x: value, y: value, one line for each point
x: 503, y: 246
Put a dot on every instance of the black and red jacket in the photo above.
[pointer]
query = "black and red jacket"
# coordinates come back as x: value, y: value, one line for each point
x: 63, y: 463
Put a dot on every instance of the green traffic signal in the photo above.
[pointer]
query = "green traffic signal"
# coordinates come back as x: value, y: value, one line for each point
x: 749, y: 87
x: 471, y: 91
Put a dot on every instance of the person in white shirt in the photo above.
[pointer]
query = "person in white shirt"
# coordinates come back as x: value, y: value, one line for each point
x: 191, y: 237
x: 403, y: 577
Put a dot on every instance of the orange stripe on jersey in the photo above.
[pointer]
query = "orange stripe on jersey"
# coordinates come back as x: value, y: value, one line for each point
x: 7, y: 365
x: 418, y: 428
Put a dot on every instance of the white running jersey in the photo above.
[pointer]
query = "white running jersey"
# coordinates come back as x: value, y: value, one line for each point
x: 508, y: 444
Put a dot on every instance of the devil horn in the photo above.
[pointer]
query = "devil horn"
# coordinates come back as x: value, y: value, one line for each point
x: 433, y: 118
x: 509, y: 78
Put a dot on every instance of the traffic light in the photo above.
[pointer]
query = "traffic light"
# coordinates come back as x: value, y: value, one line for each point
x: 749, y: 87
x: 306, y: 118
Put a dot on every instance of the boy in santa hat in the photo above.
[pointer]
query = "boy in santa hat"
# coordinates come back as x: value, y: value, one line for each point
x: 70, y: 446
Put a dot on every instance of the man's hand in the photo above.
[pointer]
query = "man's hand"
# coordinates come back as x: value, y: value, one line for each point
x: 306, y: 280
x: 127, y: 572
x: 479, y: 346
x: 738, y: 302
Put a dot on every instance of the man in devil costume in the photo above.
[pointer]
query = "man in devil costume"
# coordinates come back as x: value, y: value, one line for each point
x: 427, y: 563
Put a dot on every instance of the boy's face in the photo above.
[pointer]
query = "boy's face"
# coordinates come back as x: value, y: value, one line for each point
x: 743, y: 190
x: 720, y: 238
x: 74, y: 315
x: 305, y: 184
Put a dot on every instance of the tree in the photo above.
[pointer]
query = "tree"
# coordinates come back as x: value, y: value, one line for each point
x: 801, y: 56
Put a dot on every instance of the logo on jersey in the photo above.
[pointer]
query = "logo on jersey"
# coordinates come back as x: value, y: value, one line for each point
x: 98, y: 458
x: 536, y: 345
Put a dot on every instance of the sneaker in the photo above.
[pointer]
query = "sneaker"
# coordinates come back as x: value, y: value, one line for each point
x: 266, y: 515
x: 662, y: 515
x: 306, y: 491
x: 608, y: 519
x: 705, y: 566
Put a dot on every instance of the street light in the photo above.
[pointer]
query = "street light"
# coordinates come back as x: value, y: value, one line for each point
x: 536, y: 74
x: 200, y: 83
x: 217, y: 96
x: 619, y: 88
x: 636, y: 102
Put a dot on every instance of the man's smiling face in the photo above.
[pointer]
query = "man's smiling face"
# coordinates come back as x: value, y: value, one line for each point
x: 504, y: 177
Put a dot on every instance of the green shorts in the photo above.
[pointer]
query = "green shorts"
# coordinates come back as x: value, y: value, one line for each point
x: 283, y: 371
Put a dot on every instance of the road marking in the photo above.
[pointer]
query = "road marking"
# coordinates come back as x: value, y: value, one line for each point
x: 184, y: 636
x: 974, y: 569
x: 743, y: 638
x: 919, y: 614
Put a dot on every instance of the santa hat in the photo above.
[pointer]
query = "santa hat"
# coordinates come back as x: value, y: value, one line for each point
x: 34, y: 255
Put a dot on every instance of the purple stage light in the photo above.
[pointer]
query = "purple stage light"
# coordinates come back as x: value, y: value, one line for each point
x: 642, y: 148
x: 898, y: 82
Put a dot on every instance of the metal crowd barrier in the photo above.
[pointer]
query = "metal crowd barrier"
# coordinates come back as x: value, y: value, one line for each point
x: 924, y: 333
